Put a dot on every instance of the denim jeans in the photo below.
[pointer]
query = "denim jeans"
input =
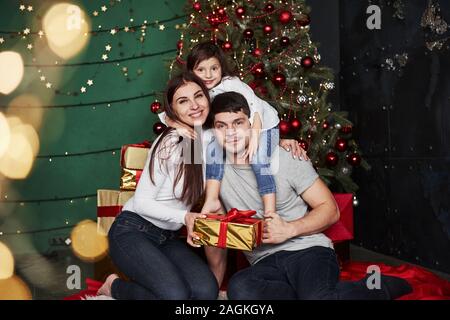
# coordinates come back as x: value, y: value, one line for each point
x: 269, y: 139
x: 311, y: 273
x: 158, y: 263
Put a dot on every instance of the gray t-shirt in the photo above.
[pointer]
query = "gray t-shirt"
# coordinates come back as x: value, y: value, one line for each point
x: 239, y: 190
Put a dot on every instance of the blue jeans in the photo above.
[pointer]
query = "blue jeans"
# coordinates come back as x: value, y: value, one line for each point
x: 159, y: 264
x: 311, y: 273
x: 269, y: 139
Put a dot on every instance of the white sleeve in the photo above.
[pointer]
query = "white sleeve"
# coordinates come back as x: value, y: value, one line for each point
x: 162, y: 117
x: 145, y: 198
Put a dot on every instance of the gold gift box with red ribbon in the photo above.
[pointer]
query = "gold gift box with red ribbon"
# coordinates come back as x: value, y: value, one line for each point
x: 132, y: 161
x: 234, y: 230
x: 109, y: 205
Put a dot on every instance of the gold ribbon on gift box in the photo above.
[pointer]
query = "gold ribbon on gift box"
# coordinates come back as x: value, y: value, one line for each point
x: 129, y: 179
x: 109, y: 205
x: 235, y: 230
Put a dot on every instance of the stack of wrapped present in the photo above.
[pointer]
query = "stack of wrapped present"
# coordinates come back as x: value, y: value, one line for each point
x: 111, y: 202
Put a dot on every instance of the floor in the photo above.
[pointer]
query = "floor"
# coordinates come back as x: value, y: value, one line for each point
x: 47, y: 276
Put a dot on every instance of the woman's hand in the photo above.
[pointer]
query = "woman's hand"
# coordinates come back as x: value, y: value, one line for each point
x: 189, y: 220
x: 183, y: 130
x: 294, y: 146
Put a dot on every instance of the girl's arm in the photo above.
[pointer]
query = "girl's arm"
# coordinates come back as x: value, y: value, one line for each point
x: 254, y: 137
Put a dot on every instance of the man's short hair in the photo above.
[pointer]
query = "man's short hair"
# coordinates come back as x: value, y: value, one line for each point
x: 228, y: 102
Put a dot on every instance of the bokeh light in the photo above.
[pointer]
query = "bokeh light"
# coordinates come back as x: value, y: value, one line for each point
x: 87, y: 244
x: 6, y: 262
x: 28, y: 108
x: 11, y: 71
x: 14, y: 288
x: 5, y: 135
x: 18, y: 159
x: 66, y: 28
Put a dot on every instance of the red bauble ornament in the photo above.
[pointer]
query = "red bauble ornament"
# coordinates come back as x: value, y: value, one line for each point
x: 296, y: 124
x: 304, y: 20
x: 354, y: 159
x: 341, y: 144
x: 262, y: 90
x: 258, y: 70
x: 221, y: 12
x: 307, y: 62
x: 159, y: 127
x: 180, y: 44
x: 269, y: 8
x: 325, y: 125
x: 240, y: 11
x: 227, y: 46
x: 248, y: 33
x: 257, y: 52
x: 285, y: 127
x: 284, y: 41
x: 285, y: 16
x: 197, y: 6
x: 155, y: 106
x: 267, y: 29
x: 215, y: 19
x: 304, y: 144
x: 347, y: 129
x: 279, y: 79
x: 331, y: 159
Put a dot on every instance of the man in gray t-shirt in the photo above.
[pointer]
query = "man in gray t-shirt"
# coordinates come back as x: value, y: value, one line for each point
x: 295, y: 261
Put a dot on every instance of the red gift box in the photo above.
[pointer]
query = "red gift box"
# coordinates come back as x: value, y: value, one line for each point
x: 343, y: 229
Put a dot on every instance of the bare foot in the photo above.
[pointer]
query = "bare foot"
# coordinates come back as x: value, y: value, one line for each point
x: 105, y: 289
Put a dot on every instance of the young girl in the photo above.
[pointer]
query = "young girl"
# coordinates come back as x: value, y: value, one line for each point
x: 208, y: 62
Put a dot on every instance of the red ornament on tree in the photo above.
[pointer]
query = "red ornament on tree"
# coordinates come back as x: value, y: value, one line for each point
x: 331, y: 159
x: 261, y: 90
x: 267, y: 29
x: 285, y: 127
x: 258, y: 70
x: 279, y: 79
x: 304, y: 144
x: 354, y: 159
x: 284, y: 41
x: 304, y: 20
x: 197, y: 6
x: 307, y: 62
x: 240, y: 11
x: 285, y: 16
x: 347, y: 129
x: 296, y: 124
x: 257, y: 52
x: 269, y: 8
x: 159, y: 127
x: 227, y: 46
x: 248, y: 33
x: 341, y: 145
x: 325, y: 125
x: 155, y: 106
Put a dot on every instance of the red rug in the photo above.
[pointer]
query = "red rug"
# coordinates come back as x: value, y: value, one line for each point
x: 426, y: 285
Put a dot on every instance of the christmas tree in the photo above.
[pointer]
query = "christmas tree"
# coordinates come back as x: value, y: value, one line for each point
x: 270, y: 46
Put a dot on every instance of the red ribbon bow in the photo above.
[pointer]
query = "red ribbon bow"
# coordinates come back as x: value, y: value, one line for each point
x: 234, y: 215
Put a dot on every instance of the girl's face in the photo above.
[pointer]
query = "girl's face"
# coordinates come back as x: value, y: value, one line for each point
x: 190, y: 104
x: 209, y: 71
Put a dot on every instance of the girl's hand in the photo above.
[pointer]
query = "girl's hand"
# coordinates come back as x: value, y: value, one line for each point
x: 189, y: 220
x: 186, y: 132
x: 252, y: 145
x: 294, y: 146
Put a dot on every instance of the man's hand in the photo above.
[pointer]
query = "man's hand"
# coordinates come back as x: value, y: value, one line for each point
x: 189, y: 220
x: 276, y: 230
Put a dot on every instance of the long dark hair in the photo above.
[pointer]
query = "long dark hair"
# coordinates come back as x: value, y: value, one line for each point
x: 204, y: 51
x: 192, y: 172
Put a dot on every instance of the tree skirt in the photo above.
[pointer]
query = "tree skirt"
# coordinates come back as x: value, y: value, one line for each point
x: 426, y: 285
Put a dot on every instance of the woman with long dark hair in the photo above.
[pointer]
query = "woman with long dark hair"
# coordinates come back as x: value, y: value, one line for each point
x: 143, y: 241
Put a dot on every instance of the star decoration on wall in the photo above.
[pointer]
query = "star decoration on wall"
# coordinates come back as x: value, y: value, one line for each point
x: 48, y: 85
x: 104, y: 8
x: 104, y: 57
x: 83, y: 89
x: 108, y: 48
x: 90, y: 82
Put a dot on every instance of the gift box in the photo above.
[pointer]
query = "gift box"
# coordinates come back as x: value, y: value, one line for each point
x: 343, y: 229
x: 132, y: 161
x: 109, y: 205
x: 234, y: 230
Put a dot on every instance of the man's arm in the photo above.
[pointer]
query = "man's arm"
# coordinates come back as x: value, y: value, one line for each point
x: 324, y: 213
